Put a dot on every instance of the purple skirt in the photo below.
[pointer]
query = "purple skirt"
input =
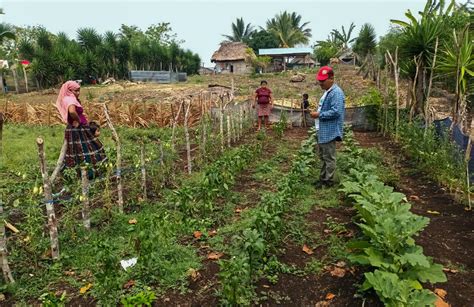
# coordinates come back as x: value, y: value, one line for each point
x: 264, y: 109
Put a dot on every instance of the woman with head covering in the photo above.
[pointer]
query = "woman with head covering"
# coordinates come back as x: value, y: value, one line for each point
x: 82, y: 146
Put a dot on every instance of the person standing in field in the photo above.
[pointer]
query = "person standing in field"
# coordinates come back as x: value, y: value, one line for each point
x: 83, y: 147
x: 331, y: 120
x: 264, y: 102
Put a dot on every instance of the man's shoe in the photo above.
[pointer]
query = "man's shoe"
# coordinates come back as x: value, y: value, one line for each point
x: 323, y: 184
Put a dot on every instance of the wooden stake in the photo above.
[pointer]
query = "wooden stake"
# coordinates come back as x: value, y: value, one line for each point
x: 1, y: 136
x: 143, y: 169
x: 396, y: 70
x: 86, y: 220
x: 60, y: 162
x: 186, y: 135
x: 221, y: 122
x: 48, y: 199
x: 228, y: 131
x: 7, y: 274
x: 175, y: 123
x: 427, y: 107
x: 119, y: 159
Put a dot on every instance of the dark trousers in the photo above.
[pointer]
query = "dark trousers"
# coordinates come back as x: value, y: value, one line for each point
x: 327, y: 154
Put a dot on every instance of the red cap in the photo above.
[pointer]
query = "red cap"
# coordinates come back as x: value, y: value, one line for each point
x: 324, y: 73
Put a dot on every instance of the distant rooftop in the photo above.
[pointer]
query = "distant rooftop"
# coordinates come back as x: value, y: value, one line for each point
x: 285, y: 51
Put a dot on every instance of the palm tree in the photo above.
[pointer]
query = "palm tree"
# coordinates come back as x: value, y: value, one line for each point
x: 240, y: 31
x: 286, y: 27
x: 366, y: 41
x: 88, y: 38
x: 344, y: 37
x: 6, y: 32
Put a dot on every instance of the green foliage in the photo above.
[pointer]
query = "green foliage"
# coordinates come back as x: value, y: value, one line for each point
x: 343, y: 37
x: 240, y: 31
x: 388, y: 244
x: 366, y: 41
x: 287, y: 28
x: 51, y: 300
x: 261, y: 40
x: 324, y: 51
x: 143, y: 298
x: 281, y: 125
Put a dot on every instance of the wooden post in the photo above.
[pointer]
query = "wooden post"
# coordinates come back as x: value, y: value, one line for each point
x: 15, y: 80
x: 119, y: 159
x: 7, y: 274
x: 143, y: 169
x: 291, y: 115
x: 48, y: 199
x: 221, y: 122
x: 396, y: 71
x: 427, y: 106
x: 228, y: 131
x: 162, y: 155
x: 60, y: 162
x: 1, y: 135
x: 241, y: 121
x: 86, y: 219
x: 186, y: 135
x: 26, y: 78
x: 467, y: 157
x: 175, y: 123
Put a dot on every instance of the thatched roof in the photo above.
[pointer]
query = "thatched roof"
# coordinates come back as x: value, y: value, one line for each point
x: 230, y: 51
x: 303, y: 61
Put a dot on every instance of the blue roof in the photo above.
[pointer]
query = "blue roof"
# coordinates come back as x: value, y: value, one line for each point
x: 285, y: 51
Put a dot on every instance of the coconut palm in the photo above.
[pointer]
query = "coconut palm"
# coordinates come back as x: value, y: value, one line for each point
x: 366, y: 42
x: 287, y: 28
x: 344, y: 37
x: 240, y: 31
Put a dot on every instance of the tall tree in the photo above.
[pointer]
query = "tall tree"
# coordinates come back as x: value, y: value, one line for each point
x: 261, y: 40
x: 287, y: 29
x: 240, y: 31
x: 366, y: 42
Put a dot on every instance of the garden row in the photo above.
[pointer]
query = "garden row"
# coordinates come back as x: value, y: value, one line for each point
x: 388, y: 244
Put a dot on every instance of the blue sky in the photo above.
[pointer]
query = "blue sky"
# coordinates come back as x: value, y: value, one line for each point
x: 201, y: 23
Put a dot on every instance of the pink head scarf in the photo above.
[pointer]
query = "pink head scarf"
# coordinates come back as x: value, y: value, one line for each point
x: 66, y: 98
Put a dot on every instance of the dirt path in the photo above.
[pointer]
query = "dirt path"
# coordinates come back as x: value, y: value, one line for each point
x: 449, y: 238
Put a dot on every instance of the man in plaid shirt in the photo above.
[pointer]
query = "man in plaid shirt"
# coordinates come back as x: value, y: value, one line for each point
x: 331, y: 121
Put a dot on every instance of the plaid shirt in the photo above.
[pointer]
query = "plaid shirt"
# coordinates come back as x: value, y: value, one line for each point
x: 331, y: 117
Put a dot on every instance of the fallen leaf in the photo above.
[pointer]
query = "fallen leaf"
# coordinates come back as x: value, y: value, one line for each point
x: 11, y: 227
x: 266, y: 286
x: 129, y: 284
x: 307, y: 250
x: 440, y: 292
x: 440, y: 302
x: 327, y: 231
x: 338, y: 272
x: 69, y: 273
x: 454, y: 271
x: 214, y: 255
x: 85, y: 288
x: 340, y: 264
x: 212, y: 233
x: 414, y: 198
x: 433, y: 212
x: 197, y: 234
x: 322, y: 304
x: 238, y: 210
x: 330, y: 296
x: 132, y: 221
x: 167, y: 299
x: 2, y: 297
x: 194, y: 274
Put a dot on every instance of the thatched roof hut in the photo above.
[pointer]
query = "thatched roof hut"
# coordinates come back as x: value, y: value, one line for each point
x: 230, y: 58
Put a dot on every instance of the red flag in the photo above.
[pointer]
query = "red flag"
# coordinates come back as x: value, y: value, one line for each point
x: 25, y: 62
